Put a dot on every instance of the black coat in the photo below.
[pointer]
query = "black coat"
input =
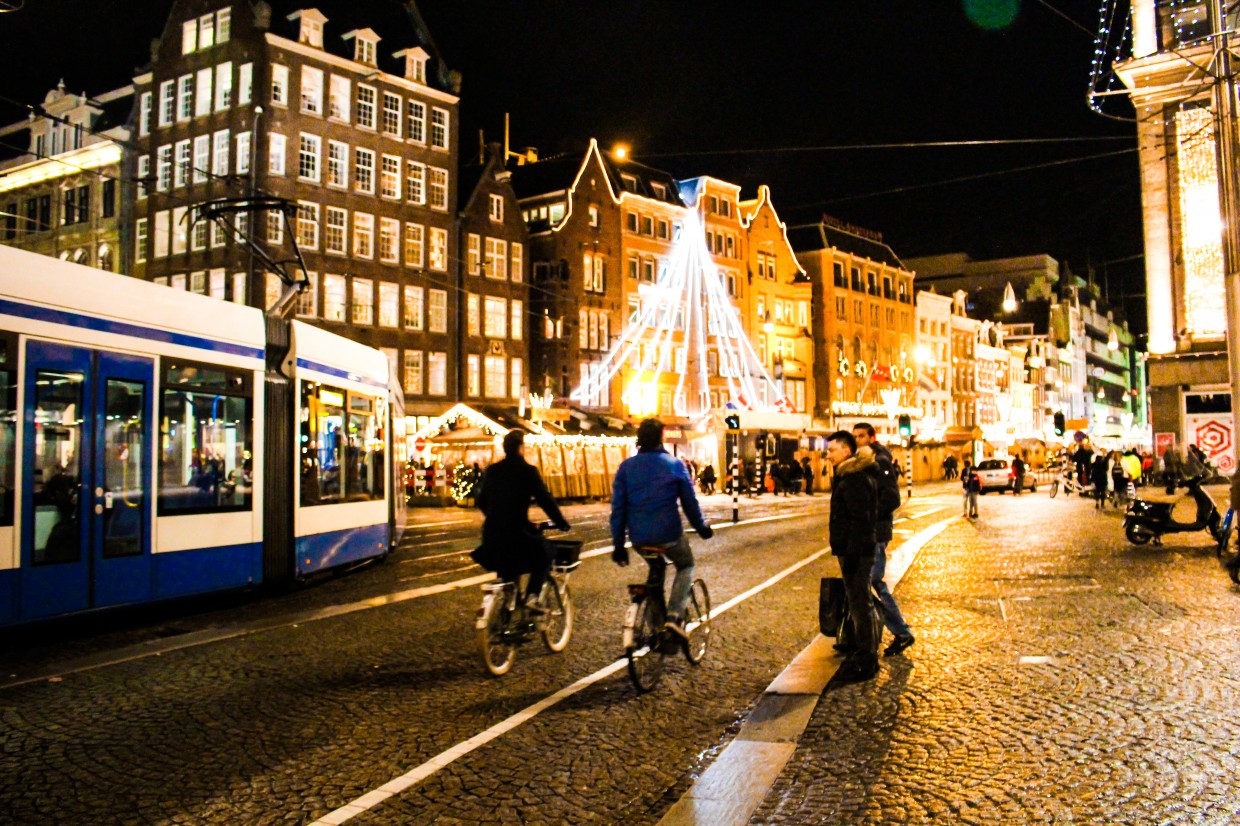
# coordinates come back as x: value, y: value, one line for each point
x: 511, y: 543
x: 887, y: 482
x: 854, y: 507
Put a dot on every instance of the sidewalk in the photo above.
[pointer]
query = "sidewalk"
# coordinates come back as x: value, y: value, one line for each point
x: 1060, y: 674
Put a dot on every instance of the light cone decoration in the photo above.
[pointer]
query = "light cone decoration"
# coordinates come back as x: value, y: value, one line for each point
x: 683, y: 316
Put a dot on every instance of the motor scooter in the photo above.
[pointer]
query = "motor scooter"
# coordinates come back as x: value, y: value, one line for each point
x: 1144, y: 520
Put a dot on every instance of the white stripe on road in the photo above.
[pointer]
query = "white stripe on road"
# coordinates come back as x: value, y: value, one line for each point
x: 419, y: 773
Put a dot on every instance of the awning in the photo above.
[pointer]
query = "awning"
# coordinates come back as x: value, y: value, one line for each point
x: 960, y: 435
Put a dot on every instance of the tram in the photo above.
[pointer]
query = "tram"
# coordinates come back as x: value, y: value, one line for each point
x: 158, y: 444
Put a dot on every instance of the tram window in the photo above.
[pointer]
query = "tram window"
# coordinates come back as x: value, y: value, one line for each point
x: 8, y: 444
x: 322, y: 437
x: 365, y: 451
x: 341, y: 446
x: 57, y: 478
x: 206, y: 460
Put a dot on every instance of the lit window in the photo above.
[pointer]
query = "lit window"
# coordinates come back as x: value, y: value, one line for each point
x: 338, y: 98
x: 202, y: 158
x: 389, y: 304
x: 497, y: 208
x: 167, y: 102
x: 307, y: 299
x: 517, y: 267
x: 416, y: 118
x: 144, y: 113
x: 472, y: 379
x: 275, y: 153
x: 363, y: 301
x: 437, y: 364
x: 438, y: 311
x: 439, y: 249
x: 337, y: 229
x: 243, y: 153
x: 415, y: 182
x: 219, y: 164
x: 185, y: 97
x: 245, y: 83
x: 413, y: 372
x: 439, y: 128
x: 516, y: 325
x: 414, y: 308
x: 495, y: 317
x: 337, y: 164
x: 203, y: 93
x: 189, y: 36
x: 363, y: 235
x: 391, y: 114
x: 473, y: 314
x: 311, y: 149
x: 389, y: 240
x: 311, y: 90
x: 389, y: 177
x: 415, y: 245
x: 497, y: 258
x: 364, y: 170
x: 496, y: 377
x: 366, y: 97
x: 333, y: 297
x: 439, y: 188
x: 279, y: 84
x: 307, y: 225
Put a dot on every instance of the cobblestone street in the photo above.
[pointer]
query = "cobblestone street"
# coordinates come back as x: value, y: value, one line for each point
x: 1060, y: 675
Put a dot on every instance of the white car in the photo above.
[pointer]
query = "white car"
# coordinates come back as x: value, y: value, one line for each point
x: 997, y: 474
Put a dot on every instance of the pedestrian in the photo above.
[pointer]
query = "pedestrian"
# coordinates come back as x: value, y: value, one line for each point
x: 1119, y: 478
x: 1083, y: 458
x: 851, y: 527
x: 807, y: 472
x: 887, y: 485
x: 972, y: 486
x: 707, y: 479
x: 747, y: 472
x: 1100, y: 475
x: 1132, y: 466
x: 794, y: 476
x: 1173, y: 468
x: 1018, y: 475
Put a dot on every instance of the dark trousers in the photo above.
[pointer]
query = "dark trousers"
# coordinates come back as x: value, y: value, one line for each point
x: 856, y: 573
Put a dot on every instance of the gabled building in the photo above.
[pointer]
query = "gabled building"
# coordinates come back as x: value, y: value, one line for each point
x: 344, y: 111
x: 863, y: 333
x: 778, y: 307
x: 933, y: 357
x: 495, y: 280
x: 60, y: 178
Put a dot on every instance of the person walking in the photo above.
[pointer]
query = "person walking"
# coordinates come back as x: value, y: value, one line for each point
x: 1100, y: 475
x: 807, y: 472
x: 649, y: 491
x: 972, y: 486
x: 887, y: 484
x: 1018, y: 475
x: 851, y: 526
x: 707, y: 479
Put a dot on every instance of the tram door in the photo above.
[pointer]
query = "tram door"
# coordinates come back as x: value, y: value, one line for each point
x: 86, y: 483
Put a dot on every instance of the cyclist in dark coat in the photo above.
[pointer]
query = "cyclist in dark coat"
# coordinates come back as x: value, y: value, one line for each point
x: 511, y: 544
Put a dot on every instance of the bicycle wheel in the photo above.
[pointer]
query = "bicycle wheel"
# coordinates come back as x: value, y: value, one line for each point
x: 697, y: 622
x: 1054, y: 488
x: 498, y: 653
x: 558, y: 621
x: 644, y: 651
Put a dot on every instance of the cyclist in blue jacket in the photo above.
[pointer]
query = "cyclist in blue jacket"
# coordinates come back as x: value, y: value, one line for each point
x: 646, y: 497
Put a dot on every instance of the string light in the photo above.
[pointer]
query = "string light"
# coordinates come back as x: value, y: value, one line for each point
x: 1200, y: 222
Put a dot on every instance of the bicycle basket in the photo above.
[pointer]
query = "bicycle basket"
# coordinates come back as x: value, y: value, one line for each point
x: 567, y: 552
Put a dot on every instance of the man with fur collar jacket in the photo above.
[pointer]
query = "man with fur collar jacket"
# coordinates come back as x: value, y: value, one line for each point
x: 854, y: 512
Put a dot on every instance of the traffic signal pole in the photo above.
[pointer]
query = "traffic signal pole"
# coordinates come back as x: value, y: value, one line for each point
x: 908, y: 465
x: 736, y: 481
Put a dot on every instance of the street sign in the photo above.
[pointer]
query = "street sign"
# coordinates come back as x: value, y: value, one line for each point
x: 419, y: 444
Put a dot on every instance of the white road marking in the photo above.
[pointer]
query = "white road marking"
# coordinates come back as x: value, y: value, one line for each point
x: 416, y: 525
x: 461, y: 552
x: 419, y: 773
x: 212, y: 635
x: 436, y: 573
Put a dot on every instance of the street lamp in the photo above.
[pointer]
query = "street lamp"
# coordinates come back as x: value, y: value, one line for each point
x: 620, y: 152
x: 1112, y: 341
x: 1009, y: 299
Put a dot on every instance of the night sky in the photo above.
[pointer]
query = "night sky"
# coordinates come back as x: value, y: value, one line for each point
x: 752, y: 93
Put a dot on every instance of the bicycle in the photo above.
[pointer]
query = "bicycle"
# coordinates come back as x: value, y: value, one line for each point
x: 504, y: 624
x: 646, y: 642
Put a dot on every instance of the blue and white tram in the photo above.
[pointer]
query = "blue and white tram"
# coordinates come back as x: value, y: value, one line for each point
x: 157, y: 444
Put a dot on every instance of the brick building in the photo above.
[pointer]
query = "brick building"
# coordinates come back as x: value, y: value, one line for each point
x: 496, y: 303
x: 863, y: 322
x: 341, y: 109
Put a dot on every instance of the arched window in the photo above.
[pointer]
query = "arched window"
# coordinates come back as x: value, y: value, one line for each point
x: 64, y: 256
x: 856, y: 347
x: 105, y: 258
x: 79, y: 256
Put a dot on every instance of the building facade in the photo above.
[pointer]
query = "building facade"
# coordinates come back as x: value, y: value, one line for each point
x: 933, y: 356
x: 1189, y: 385
x: 62, y: 195
x: 778, y: 309
x: 863, y: 332
x: 496, y: 323
x: 340, y: 123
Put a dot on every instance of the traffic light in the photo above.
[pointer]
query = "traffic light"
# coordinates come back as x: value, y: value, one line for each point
x: 1060, y: 423
x: 733, y: 421
x: 906, y: 426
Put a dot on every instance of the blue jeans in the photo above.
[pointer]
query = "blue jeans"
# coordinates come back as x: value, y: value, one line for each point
x: 892, y: 618
x: 680, y: 555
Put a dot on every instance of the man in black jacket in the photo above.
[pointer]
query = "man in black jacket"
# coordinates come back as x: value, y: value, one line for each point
x: 854, y: 503
x: 511, y: 544
x: 887, y: 479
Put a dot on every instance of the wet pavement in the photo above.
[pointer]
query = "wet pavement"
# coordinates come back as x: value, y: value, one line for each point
x: 1059, y: 675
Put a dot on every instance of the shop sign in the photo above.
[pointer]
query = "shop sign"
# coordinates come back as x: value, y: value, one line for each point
x: 1162, y: 443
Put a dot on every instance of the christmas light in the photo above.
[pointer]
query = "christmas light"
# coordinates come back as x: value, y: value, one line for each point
x: 1200, y: 223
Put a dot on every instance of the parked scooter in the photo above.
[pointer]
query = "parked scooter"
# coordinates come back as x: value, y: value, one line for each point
x: 1152, y: 520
